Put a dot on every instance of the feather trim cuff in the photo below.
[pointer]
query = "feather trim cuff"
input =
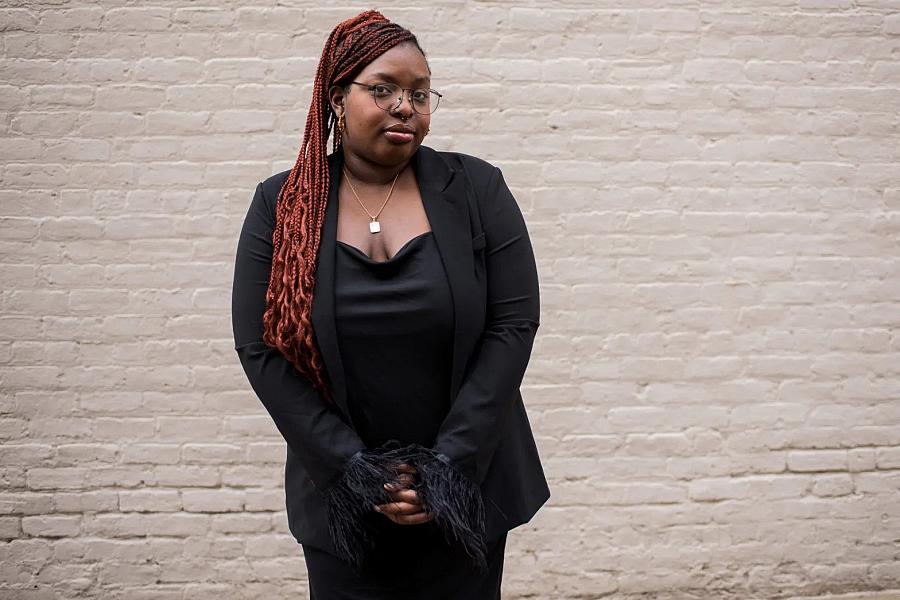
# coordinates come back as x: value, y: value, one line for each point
x: 453, y: 499
x: 456, y: 503
x: 351, y: 499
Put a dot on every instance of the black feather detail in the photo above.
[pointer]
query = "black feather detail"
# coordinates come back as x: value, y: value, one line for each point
x: 456, y: 503
x: 351, y: 500
x: 454, y: 500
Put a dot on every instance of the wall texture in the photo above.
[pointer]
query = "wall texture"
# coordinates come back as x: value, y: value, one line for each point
x: 713, y: 194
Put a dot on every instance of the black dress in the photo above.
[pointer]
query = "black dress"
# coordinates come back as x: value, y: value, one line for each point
x: 394, y: 323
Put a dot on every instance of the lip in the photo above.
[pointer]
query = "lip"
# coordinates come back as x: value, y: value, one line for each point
x: 400, y: 129
x: 400, y: 134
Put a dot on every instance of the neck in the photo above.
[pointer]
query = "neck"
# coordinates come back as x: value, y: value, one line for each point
x: 368, y: 172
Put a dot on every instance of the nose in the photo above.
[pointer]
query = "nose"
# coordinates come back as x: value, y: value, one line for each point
x: 402, y: 109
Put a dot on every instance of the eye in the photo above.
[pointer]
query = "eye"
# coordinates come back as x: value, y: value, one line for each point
x: 382, y: 90
x: 420, y: 96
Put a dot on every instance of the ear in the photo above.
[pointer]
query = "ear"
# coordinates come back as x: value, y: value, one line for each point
x: 336, y: 97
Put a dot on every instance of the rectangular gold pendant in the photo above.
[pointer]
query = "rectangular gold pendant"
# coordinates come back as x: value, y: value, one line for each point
x: 374, y: 227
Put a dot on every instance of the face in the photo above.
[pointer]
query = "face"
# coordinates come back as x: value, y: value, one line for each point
x: 371, y: 133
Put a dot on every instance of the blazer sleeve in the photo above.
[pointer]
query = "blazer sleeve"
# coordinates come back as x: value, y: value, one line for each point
x: 471, y: 431
x: 311, y: 426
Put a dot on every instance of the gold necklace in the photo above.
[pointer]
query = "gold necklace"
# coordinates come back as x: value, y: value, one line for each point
x: 374, y: 225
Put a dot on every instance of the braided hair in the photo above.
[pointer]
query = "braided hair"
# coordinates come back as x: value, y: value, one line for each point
x: 300, y: 208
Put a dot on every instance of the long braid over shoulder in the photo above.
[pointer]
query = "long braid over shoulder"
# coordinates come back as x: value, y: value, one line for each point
x: 300, y: 208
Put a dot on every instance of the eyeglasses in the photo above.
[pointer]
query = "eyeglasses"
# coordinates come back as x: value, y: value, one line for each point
x: 389, y: 96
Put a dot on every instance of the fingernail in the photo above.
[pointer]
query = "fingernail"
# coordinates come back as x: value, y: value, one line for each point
x: 377, y: 509
x: 389, y: 486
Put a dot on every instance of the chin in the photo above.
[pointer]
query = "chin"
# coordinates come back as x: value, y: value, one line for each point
x: 392, y: 154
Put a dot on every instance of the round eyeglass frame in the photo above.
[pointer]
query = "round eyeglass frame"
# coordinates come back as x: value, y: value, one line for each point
x: 394, y: 105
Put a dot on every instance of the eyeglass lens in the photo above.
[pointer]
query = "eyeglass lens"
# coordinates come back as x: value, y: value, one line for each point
x: 389, y: 96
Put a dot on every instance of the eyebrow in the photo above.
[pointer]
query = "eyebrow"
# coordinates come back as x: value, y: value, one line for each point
x: 393, y: 79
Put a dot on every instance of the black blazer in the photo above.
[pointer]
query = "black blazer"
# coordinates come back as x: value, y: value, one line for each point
x: 483, y: 242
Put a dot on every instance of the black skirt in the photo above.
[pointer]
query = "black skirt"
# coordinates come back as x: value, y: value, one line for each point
x: 410, y: 562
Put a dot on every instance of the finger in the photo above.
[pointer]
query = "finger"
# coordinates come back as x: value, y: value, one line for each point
x: 416, y: 519
x: 406, y: 468
x: 403, y: 481
x: 413, y: 519
x: 398, y: 508
x: 410, y: 496
x: 394, y: 486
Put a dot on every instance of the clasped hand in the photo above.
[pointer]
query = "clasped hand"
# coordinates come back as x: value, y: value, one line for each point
x: 406, y: 507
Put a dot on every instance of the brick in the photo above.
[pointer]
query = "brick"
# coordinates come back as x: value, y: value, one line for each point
x: 10, y: 528
x: 219, y: 500
x: 242, y: 523
x: 178, y: 524
x: 833, y: 485
x: 137, y: 19
x: 263, y: 500
x: 113, y: 525
x: 887, y: 458
x: 820, y: 460
x: 717, y: 489
x: 148, y: 500
x: 59, y: 478
x: 211, y: 453
x: 253, y: 475
x: 165, y: 454
x: 186, y: 476
x: 51, y: 526
x: 75, y: 454
x: 79, y: 502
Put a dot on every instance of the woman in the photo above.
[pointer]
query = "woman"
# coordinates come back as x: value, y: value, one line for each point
x: 384, y: 307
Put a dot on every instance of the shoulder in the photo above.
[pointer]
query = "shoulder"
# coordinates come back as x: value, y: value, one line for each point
x: 272, y: 186
x: 480, y: 171
x: 265, y: 197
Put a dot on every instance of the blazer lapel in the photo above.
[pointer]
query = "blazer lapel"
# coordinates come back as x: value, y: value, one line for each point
x: 323, y: 300
x: 443, y: 192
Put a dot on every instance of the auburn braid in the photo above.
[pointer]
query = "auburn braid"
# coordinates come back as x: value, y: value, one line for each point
x: 300, y: 208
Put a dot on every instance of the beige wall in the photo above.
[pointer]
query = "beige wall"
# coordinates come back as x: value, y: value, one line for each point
x: 713, y: 194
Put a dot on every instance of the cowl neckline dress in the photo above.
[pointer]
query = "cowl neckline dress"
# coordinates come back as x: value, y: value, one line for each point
x: 394, y: 321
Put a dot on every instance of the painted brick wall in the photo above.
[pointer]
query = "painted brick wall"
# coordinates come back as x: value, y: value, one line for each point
x: 713, y: 193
